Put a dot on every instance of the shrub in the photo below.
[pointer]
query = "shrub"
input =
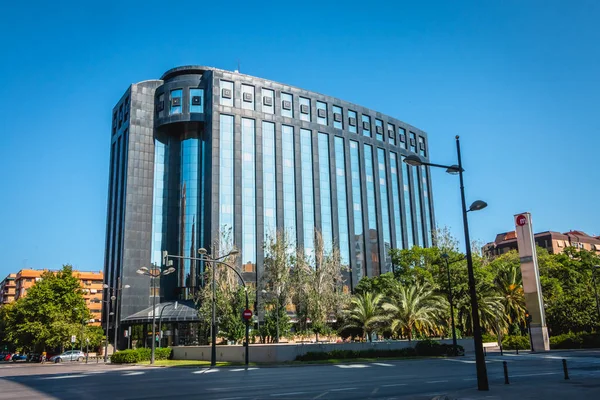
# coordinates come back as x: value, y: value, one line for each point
x: 489, y: 338
x: 582, y: 340
x: 515, y: 342
x: 137, y: 355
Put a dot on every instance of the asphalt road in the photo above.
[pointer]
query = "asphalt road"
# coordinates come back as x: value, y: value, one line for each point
x: 530, y: 375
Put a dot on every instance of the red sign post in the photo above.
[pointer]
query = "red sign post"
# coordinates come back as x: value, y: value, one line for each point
x: 247, y: 314
x: 521, y: 220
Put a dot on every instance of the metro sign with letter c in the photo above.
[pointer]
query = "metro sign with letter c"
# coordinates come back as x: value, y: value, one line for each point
x: 521, y: 220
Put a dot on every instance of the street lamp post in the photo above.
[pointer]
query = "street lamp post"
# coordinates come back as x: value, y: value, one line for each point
x: 445, y: 257
x: 153, y: 274
x: 113, y: 298
x: 415, y: 160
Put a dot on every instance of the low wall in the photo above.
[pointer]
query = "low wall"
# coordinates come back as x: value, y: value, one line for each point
x: 272, y: 353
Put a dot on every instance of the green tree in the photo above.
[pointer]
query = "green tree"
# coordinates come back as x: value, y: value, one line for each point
x: 415, y: 309
x: 509, y: 285
x: 365, y: 314
x: 50, y: 314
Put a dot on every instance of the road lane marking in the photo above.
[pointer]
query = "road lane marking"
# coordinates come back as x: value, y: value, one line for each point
x: 132, y: 373
x: 460, y: 361
x: 205, y: 371
x: 538, y: 374
x: 287, y: 394
x: 320, y: 395
x: 243, y: 369
x: 342, y: 389
x: 383, y: 364
x: 352, y: 366
x: 436, y: 381
x: 63, y: 377
x: 394, y: 385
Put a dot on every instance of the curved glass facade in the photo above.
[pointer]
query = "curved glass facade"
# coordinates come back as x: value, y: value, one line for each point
x: 248, y: 192
x: 308, y: 198
x: 372, y: 211
x: 289, y: 182
x: 385, y: 211
x: 269, y: 180
x: 226, y: 173
x: 396, y: 200
x: 325, y: 188
x: 342, y: 205
x: 359, y: 239
x: 188, y: 206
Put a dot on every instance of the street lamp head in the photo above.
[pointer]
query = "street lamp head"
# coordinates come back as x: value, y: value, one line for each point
x: 453, y: 170
x: 105, y: 286
x: 234, y: 252
x: 202, y: 251
x: 142, y: 271
x: 168, y: 271
x: 445, y: 256
x: 413, y: 160
x: 478, y: 205
x: 263, y: 291
x: 113, y: 298
x: 111, y: 313
x: 126, y: 286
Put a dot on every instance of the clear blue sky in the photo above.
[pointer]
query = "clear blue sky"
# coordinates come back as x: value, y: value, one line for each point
x: 518, y: 80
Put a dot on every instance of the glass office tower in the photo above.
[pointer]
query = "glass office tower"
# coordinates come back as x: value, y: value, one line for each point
x: 204, y: 153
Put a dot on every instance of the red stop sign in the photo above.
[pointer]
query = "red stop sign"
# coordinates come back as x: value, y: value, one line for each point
x: 247, y: 314
x: 521, y: 220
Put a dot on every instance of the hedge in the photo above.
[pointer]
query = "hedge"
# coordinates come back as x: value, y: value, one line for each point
x: 515, y: 342
x: 582, y: 340
x: 422, y: 348
x: 138, y: 355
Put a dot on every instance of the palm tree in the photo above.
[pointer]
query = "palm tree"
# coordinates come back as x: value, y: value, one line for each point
x: 415, y: 308
x: 491, y: 309
x: 365, y: 313
x: 509, y: 284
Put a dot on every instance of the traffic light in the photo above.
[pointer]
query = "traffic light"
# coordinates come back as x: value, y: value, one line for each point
x: 528, y: 317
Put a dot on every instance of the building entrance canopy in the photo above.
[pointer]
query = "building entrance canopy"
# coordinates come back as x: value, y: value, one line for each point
x: 184, y: 311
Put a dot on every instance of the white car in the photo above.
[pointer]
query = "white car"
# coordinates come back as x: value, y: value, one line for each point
x: 71, y: 355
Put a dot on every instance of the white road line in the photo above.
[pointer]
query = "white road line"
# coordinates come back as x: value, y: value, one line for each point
x: 63, y: 377
x: 538, y: 374
x: 132, y: 373
x: 205, y: 371
x: 342, y: 389
x: 352, y: 366
x: 243, y: 369
x: 287, y: 394
x: 436, y: 381
x: 383, y: 364
x: 394, y: 385
x: 320, y: 395
x: 460, y: 361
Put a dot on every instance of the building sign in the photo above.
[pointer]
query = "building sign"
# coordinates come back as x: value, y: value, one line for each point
x: 531, y: 282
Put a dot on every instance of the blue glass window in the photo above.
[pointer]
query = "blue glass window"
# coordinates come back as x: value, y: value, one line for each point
x: 159, y: 203
x: 248, y: 192
x: 391, y: 134
x: 325, y: 186
x: 289, y: 185
x: 396, y: 200
x: 305, y: 109
x: 196, y: 100
x: 268, y: 101
x: 338, y: 117
x: 226, y: 173
x: 379, y: 129
x: 248, y: 97
x: 269, y: 186
x: 416, y: 192
x: 340, y: 172
x: 366, y: 125
x: 407, y: 203
x: 385, y: 211
x: 227, y: 93
x: 161, y: 108
x: 372, y: 211
x: 322, y: 115
x: 402, y: 134
x: 287, y: 105
x: 176, y: 101
x: 189, y: 210
x: 359, y: 242
x: 352, y: 118
x: 308, y: 199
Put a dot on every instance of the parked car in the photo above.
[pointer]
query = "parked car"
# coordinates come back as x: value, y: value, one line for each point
x: 71, y: 355
x: 6, y: 357
x: 19, y: 357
